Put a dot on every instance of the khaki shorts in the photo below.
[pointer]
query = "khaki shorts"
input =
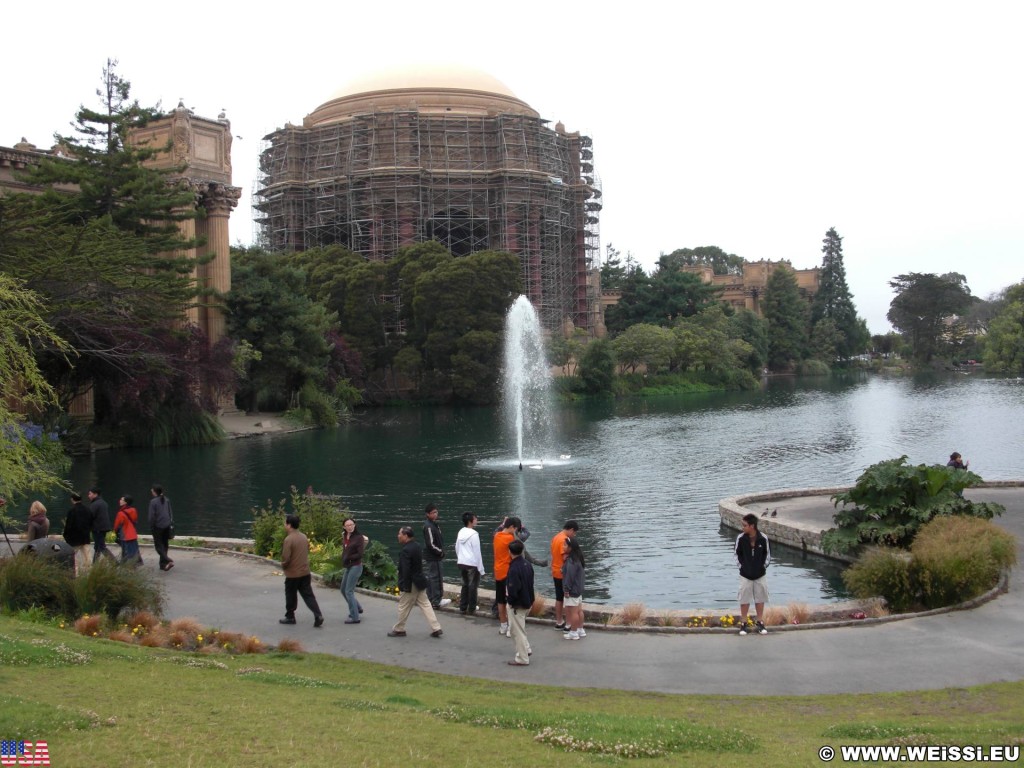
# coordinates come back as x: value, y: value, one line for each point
x: 752, y: 591
x: 572, y: 602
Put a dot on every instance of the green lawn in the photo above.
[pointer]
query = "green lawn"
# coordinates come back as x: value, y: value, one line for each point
x: 104, y: 703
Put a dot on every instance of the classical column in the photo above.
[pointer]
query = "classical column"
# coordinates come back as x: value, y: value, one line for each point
x: 218, y: 199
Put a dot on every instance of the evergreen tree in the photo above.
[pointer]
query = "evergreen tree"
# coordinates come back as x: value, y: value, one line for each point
x: 114, y: 176
x: 613, y: 273
x: 834, y: 302
x: 786, y: 312
x: 923, y: 304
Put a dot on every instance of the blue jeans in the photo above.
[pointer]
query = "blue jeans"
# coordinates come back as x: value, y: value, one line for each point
x: 348, y: 589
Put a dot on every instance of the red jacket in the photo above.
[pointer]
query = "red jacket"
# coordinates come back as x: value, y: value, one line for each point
x: 124, y: 523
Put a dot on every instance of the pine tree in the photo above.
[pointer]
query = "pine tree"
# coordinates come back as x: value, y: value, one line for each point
x: 113, y: 177
x: 786, y: 312
x: 833, y: 300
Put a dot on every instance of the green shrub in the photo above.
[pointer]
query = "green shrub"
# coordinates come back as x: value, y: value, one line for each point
x: 379, y: 569
x: 322, y: 520
x: 892, y: 500
x: 110, y: 588
x: 813, y: 368
x: 959, y: 558
x: 28, y: 581
x: 883, y: 573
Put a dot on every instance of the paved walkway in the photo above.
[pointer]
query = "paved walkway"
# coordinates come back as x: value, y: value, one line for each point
x: 955, y: 649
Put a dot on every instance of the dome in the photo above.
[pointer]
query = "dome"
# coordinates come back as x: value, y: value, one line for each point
x: 428, y: 89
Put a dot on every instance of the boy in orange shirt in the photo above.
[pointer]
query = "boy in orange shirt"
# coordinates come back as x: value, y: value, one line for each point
x: 570, y: 529
x: 502, y: 560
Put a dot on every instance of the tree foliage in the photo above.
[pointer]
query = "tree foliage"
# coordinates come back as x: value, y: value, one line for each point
x: 31, y: 459
x: 1004, y: 342
x: 268, y: 307
x: 597, y: 367
x: 705, y: 255
x: 113, y: 177
x: 786, y: 312
x: 892, y: 500
x: 922, y: 305
x: 660, y: 299
x: 834, y: 302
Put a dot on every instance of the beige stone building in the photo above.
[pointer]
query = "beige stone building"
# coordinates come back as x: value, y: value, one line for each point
x: 746, y: 290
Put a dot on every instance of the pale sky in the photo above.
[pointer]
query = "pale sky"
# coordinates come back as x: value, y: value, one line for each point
x: 753, y: 126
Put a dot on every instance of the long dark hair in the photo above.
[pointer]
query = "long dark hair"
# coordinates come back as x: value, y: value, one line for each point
x: 575, y: 553
x: 159, y: 491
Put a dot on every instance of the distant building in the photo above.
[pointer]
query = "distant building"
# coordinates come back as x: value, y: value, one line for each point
x: 745, y: 291
x: 440, y: 154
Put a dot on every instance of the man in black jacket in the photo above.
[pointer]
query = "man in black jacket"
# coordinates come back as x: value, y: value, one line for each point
x: 412, y: 585
x: 100, y: 525
x: 519, y: 592
x: 77, y: 528
x: 433, y: 554
x: 753, y: 556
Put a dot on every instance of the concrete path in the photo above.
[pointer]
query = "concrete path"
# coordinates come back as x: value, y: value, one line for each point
x: 955, y: 649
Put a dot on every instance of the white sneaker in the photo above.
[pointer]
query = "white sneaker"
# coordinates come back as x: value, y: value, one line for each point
x: 581, y: 632
x: 508, y: 632
x: 445, y: 602
x: 503, y: 629
x: 571, y: 635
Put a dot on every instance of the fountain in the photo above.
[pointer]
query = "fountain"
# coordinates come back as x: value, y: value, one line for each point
x: 526, y: 384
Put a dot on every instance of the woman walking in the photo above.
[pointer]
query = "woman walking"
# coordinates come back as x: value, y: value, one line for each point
x: 161, y: 521
x: 354, y: 544
x: 572, y: 585
x: 126, y: 532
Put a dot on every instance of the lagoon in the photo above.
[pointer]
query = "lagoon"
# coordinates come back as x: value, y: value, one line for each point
x: 643, y: 476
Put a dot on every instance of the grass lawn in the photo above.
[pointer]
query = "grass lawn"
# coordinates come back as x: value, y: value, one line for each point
x: 106, y: 703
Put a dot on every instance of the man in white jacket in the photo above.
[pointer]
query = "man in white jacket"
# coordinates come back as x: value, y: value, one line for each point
x: 471, y: 563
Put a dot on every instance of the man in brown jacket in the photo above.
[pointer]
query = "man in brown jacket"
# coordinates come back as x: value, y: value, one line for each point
x: 297, y: 579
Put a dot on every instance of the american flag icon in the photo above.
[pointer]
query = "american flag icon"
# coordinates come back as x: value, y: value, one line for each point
x: 21, y: 753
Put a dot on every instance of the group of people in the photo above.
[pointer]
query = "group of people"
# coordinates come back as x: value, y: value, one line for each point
x: 421, y: 576
x: 86, y: 527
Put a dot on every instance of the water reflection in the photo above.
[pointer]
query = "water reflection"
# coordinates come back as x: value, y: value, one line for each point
x: 644, y: 476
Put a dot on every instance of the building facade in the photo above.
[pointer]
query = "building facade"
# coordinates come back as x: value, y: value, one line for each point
x: 446, y: 155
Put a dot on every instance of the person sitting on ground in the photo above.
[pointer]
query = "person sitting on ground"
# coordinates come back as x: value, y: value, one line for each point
x: 38, y: 522
x: 956, y: 461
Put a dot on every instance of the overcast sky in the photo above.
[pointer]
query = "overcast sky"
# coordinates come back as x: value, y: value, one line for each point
x: 753, y: 126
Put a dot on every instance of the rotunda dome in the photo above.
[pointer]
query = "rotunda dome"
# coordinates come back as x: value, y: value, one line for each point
x: 428, y: 89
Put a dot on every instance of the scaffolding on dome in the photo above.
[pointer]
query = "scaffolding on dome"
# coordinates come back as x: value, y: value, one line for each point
x: 375, y: 182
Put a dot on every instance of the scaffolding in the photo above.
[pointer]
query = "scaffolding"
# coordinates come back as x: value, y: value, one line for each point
x: 377, y: 181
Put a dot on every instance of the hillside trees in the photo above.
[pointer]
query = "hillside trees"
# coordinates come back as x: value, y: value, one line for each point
x: 923, y: 303
x: 1004, y: 343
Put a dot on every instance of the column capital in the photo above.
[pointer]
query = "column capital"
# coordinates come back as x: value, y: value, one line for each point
x: 218, y: 199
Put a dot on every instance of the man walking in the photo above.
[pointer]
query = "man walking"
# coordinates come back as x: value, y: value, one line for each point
x: 519, y: 593
x: 77, y: 530
x: 100, y: 524
x: 470, y: 562
x: 753, y: 556
x: 297, y: 576
x: 412, y: 585
x: 433, y: 554
x: 570, y: 529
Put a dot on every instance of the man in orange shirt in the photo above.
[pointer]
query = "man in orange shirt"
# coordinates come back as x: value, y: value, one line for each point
x: 502, y: 560
x: 570, y: 529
